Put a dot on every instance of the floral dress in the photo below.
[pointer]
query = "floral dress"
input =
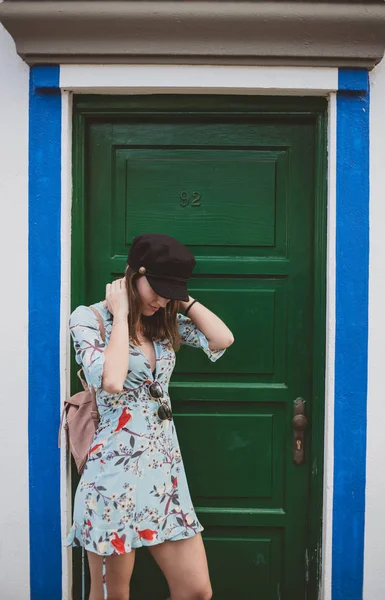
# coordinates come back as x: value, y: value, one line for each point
x: 133, y: 491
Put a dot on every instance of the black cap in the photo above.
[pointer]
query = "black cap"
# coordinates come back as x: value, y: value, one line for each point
x: 167, y: 264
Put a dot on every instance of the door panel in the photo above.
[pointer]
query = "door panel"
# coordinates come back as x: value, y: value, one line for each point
x: 239, y: 190
x: 200, y: 189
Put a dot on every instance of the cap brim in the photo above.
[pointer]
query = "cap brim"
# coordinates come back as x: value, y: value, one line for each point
x: 173, y: 290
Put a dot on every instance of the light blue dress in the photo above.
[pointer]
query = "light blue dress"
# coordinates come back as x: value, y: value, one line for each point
x: 133, y: 491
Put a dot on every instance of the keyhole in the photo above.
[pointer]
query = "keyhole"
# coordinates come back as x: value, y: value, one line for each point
x: 299, y: 444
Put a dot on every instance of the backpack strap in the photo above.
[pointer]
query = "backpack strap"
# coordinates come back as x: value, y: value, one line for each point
x: 101, y: 324
x: 94, y: 409
x: 83, y: 382
x: 103, y: 336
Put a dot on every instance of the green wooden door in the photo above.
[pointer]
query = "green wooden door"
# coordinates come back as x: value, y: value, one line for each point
x: 238, y: 186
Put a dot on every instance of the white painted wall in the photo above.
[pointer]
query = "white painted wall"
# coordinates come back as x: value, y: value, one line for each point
x: 194, y: 79
x: 326, y: 556
x: 65, y: 339
x: 374, y: 573
x: 14, y: 510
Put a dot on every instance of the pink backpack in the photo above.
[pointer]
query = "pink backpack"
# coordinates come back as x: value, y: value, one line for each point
x: 82, y: 416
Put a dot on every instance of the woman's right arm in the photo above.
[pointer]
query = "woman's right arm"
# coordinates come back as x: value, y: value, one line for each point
x: 117, y: 352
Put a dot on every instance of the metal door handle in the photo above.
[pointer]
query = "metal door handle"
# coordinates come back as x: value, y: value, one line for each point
x: 299, y: 422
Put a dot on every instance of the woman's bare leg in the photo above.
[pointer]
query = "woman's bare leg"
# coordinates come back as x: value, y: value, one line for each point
x: 184, y: 565
x: 118, y: 575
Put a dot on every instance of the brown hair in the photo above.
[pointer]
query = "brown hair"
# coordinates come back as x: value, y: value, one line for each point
x: 161, y: 325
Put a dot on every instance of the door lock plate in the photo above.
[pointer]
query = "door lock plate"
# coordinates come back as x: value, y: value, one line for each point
x: 299, y: 422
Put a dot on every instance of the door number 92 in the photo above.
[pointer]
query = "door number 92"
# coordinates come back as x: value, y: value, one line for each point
x: 193, y: 199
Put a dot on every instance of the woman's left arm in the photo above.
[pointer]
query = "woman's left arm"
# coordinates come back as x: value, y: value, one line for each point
x: 217, y: 333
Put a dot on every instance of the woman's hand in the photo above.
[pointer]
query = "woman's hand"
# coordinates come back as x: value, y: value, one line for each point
x: 117, y: 298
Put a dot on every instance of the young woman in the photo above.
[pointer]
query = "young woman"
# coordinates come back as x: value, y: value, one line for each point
x: 133, y: 491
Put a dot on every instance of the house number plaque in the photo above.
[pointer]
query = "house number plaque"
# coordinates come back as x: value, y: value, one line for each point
x: 193, y: 199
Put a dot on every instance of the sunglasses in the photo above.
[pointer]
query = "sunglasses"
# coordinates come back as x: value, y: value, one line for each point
x: 156, y: 392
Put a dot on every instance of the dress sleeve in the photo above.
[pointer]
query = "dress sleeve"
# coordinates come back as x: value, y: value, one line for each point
x: 88, y: 344
x: 190, y: 335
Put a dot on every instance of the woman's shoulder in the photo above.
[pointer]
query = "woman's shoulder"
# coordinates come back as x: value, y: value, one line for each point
x: 84, y: 313
x: 102, y: 309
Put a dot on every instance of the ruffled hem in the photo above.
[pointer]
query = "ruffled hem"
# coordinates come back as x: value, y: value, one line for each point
x: 93, y: 538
